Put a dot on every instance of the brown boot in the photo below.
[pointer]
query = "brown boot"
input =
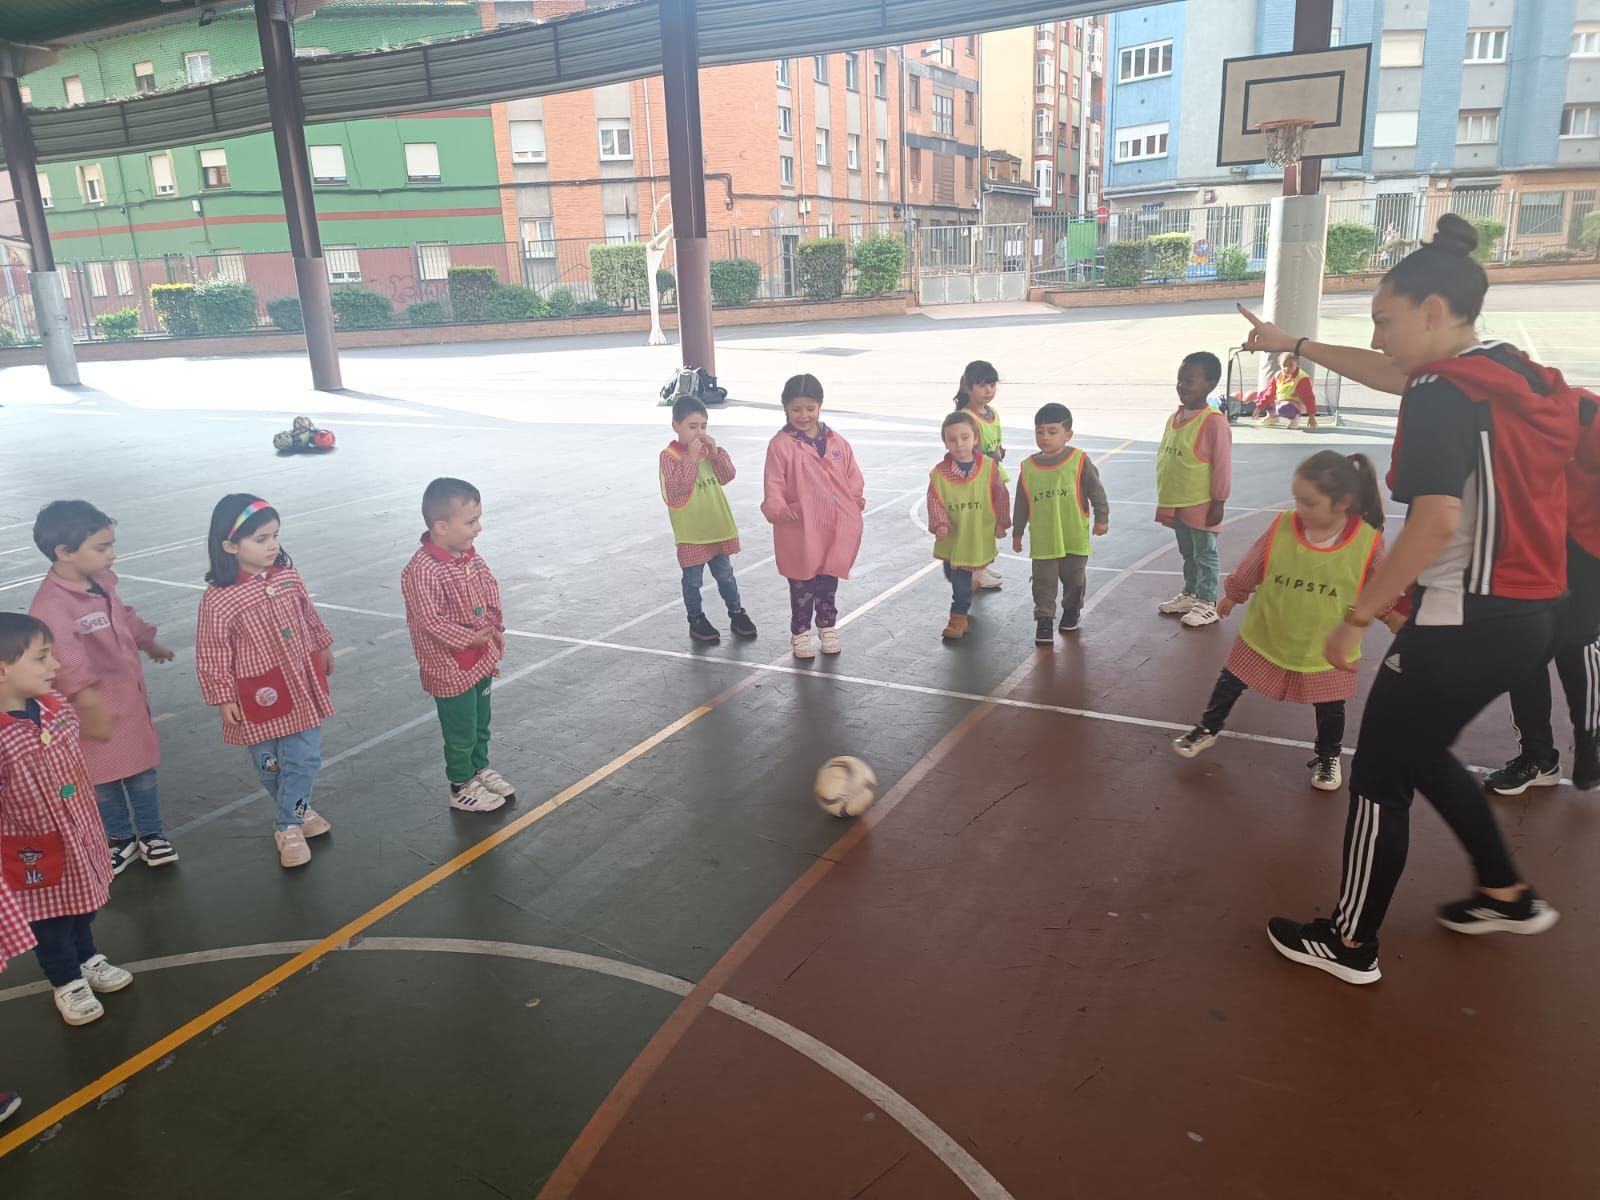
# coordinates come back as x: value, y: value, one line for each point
x: 957, y: 628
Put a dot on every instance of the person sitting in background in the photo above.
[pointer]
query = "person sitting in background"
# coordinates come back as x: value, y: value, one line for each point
x: 1288, y: 397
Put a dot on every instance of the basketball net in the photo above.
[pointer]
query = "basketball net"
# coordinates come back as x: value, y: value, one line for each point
x: 1285, y: 144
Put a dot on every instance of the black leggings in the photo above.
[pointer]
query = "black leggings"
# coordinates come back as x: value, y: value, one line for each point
x: 1434, y: 680
x: 1330, y: 714
x: 1577, y: 656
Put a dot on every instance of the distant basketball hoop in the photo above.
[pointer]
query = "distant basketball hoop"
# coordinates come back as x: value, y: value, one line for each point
x: 1284, y: 141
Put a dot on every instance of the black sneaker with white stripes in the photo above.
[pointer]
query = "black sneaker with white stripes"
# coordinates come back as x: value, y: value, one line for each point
x: 1523, y: 772
x: 157, y: 851
x: 1484, y: 914
x: 123, y: 852
x: 1319, y: 945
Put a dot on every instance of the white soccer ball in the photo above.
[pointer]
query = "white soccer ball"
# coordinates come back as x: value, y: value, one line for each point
x: 846, y: 787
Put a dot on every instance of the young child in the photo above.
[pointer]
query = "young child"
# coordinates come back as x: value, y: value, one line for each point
x: 263, y: 656
x: 813, y: 495
x: 693, y: 471
x: 1056, y: 490
x: 99, y: 647
x: 1194, y: 472
x: 968, y: 511
x: 52, y: 844
x: 975, y: 394
x: 458, y: 635
x: 1288, y: 397
x: 1303, y: 573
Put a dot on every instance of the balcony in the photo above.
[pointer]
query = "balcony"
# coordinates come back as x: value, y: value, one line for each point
x: 1045, y: 97
x: 1046, y: 40
x: 1044, y: 145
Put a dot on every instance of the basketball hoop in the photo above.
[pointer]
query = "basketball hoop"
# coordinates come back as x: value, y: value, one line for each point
x: 1285, y: 140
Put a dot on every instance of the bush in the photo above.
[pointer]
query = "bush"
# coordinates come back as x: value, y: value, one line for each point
x: 1490, y: 231
x: 1564, y: 254
x: 285, y: 313
x: 560, y: 303
x: 595, y: 308
x: 427, y: 312
x: 1124, y: 264
x: 224, y: 306
x: 118, y: 326
x: 1591, y: 231
x: 8, y: 336
x: 174, y: 305
x: 735, y: 282
x: 471, y: 289
x: 666, y: 283
x: 1350, y: 246
x: 879, y: 259
x: 357, y: 308
x: 1232, y: 263
x: 515, y: 303
x: 1172, y: 252
x: 819, y: 268
x: 621, y: 273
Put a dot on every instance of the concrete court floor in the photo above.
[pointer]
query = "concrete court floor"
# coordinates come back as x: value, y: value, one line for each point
x: 964, y: 954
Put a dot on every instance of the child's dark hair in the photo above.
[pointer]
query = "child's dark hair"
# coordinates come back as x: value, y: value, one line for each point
x: 1445, y: 268
x: 439, y: 498
x: 1338, y: 476
x: 236, y: 516
x: 1207, y: 362
x: 977, y: 372
x: 797, y: 387
x: 67, y: 523
x: 961, y: 417
x: 17, y: 633
x: 1053, y: 414
x: 685, y: 407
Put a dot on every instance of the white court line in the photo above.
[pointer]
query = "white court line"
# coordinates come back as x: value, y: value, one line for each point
x: 343, y: 650
x: 1528, y: 347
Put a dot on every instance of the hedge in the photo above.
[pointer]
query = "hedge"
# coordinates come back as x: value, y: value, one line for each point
x: 285, y: 313
x: 174, y: 305
x: 357, y: 308
x: 1350, y: 246
x: 471, y: 289
x: 879, y: 259
x: 1124, y: 264
x: 1490, y: 231
x: 118, y: 326
x: 560, y: 303
x: 621, y: 273
x: 666, y: 283
x: 1232, y: 263
x: 8, y: 336
x: 224, y: 306
x: 1591, y: 231
x: 735, y: 282
x: 427, y: 312
x: 515, y: 303
x: 1172, y: 252
x: 819, y: 268
x: 595, y: 308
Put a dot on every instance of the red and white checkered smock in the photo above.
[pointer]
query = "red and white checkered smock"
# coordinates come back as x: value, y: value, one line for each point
x: 53, y: 853
x: 448, y: 599
x: 678, y: 475
x: 16, y: 935
x: 258, y: 646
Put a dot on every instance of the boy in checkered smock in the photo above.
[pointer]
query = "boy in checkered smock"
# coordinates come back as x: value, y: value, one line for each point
x: 52, y: 845
x: 458, y: 635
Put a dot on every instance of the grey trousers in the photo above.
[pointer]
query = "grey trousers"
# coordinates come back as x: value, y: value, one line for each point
x: 1072, y: 571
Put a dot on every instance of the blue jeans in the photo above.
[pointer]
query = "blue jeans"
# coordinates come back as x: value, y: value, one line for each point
x: 1202, y: 567
x: 136, y: 792
x: 65, y: 944
x: 288, y: 769
x: 960, y: 588
x: 722, y: 571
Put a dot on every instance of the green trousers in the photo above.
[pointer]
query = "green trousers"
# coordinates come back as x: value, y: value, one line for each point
x: 464, y: 720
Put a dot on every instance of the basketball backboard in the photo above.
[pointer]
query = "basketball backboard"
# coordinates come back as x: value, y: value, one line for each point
x: 1328, y: 86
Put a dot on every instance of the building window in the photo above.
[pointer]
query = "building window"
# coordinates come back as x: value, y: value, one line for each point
x: 971, y: 108
x: 972, y: 45
x: 1043, y: 120
x: 822, y: 147
x: 433, y: 260
x: 966, y: 171
x: 880, y: 80
x: 616, y: 141
x: 819, y: 68
x: 124, y: 273
x: 74, y: 89
x: 327, y: 164
x: 852, y: 151
x: 230, y: 266
x: 1482, y: 125
x: 162, y: 182
x: 197, y: 67
x: 45, y: 198
x: 916, y: 164
x: 944, y: 114
x: 621, y: 228
x: 422, y: 162
x: 785, y: 121
x: 144, y: 77
x: 783, y: 72
x: 1401, y: 48
x: 1486, y: 46
x: 97, y: 279
x: 92, y: 184
x: 1075, y: 87
x: 1586, y: 40
x: 344, y: 264
x: 1044, y: 182
x: 213, y: 169
x: 1391, y: 129
x: 1580, y: 120
x: 527, y: 142
x: 1144, y: 62
x: 539, y: 238
x: 880, y: 157
x: 914, y: 93
x: 1043, y: 72
x: 1539, y: 213
x: 852, y: 72
x: 786, y: 170
x: 1142, y: 141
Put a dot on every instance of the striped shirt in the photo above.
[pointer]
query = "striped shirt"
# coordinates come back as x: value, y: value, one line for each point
x: 449, y: 598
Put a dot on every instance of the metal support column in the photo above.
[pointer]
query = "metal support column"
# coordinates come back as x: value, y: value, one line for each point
x: 1313, y: 30
x: 49, y: 304
x: 299, y: 206
x: 680, y: 44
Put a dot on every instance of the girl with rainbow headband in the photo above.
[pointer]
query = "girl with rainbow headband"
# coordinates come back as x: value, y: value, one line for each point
x: 1302, y: 572
x: 263, y: 656
x: 975, y: 396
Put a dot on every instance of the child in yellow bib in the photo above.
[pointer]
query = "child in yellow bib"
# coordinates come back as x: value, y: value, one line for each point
x: 693, y: 470
x: 975, y: 394
x: 1299, y: 578
x: 1194, y: 473
x: 1056, y: 490
x: 969, y: 510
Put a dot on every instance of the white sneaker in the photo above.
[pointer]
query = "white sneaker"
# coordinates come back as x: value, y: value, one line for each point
x: 315, y: 824
x: 830, y: 640
x: 1178, y: 605
x: 496, y: 783
x: 474, y: 797
x: 77, y: 1004
x: 802, y: 645
x: 292, y: 848
x: 986, y: 579
x: 102, y: 976
x: 1204, y: 612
